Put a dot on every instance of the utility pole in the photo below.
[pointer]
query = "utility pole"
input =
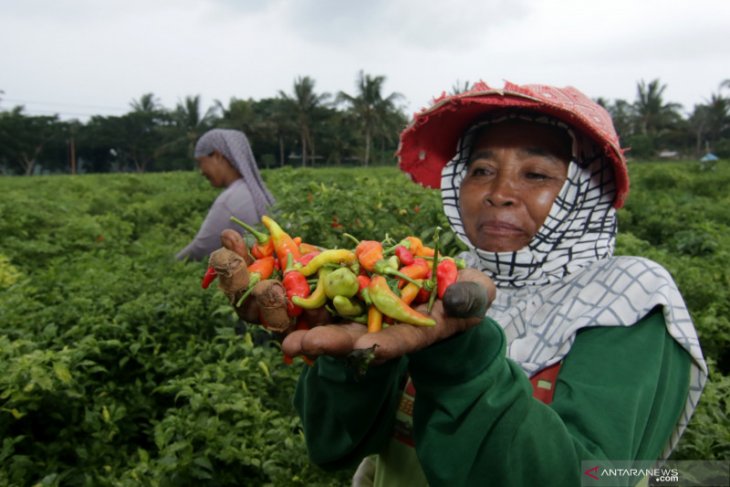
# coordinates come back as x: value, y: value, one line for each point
x: 72, y: 154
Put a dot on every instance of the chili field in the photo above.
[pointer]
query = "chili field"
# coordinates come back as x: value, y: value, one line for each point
x: 117, y: 369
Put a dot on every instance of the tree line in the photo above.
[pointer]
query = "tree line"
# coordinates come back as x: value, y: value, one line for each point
x: 310, y: 128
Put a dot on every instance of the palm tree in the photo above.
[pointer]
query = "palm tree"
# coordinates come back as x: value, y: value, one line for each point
x: 370, y: 107
x: 710, y: 120
x: 305, y: 103
x: 147, y: 103
x: 460, y: 87
x: 652, y: 113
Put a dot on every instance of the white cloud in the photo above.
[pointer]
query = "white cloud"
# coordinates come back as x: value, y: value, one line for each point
x: 103, y: 54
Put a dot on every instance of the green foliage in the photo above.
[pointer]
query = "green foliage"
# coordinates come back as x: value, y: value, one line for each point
x: 117, y: 369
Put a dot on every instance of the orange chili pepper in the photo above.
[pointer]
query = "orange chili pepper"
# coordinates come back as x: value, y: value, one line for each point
x: 306, y: 248
x: 418, y: 270
x: 368, y: 253
x: 375, y: 320
x: 409, y: 293
x: 283, y: 243
x: 259, y: 270
x: 264, y: 246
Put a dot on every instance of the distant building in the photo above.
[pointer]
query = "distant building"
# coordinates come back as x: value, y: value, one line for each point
x: 668, y: 154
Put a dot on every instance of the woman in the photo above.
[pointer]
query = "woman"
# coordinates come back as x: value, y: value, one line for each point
x: 582, y: 357
x: 225, y: 158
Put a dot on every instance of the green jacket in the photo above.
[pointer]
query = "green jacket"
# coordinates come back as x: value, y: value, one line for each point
x: 618, y: 396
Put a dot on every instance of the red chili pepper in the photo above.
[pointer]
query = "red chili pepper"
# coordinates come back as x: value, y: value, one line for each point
x: 425, y: 291
x: 209, y: 277
x: 404, y: 255
x: 283, y: 243
x: 363, y: 281
x: 295, y: 284
x: 263, y: 247
x: 446, y: 275
x: 306, y: 258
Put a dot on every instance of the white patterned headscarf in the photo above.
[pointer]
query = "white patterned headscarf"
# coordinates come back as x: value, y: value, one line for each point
x: 234, y: 146
x: 566, y: 278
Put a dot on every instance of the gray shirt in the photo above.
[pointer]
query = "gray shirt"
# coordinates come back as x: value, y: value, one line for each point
x: 236, y: 200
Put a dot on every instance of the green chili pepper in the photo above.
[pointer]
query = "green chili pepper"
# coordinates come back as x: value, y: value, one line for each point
x: 318, y: 297
x: 333, y: 256
x: 347, y: 307
x: 341, y: 282
x: 391, y: 305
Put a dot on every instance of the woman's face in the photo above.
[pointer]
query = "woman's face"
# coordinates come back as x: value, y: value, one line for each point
x: 215, y: 168
x: 515, y: 172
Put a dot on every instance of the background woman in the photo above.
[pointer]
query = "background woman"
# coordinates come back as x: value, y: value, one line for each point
x: 225, y: 158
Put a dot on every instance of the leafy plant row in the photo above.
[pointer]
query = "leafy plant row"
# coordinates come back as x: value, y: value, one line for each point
x: 117, y: 369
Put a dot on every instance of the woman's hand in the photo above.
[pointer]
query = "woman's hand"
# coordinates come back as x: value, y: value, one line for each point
x: 395, y: 340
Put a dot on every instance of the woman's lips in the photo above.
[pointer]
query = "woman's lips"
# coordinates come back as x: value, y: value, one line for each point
x: 500, y: 228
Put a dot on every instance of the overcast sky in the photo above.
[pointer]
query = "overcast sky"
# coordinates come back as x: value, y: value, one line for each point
x: 83, y: 57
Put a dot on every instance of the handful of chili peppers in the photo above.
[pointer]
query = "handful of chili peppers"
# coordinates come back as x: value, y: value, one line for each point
x: 284, y: 284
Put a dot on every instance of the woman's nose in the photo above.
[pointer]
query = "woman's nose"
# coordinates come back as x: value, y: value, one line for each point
x: 502, y: 192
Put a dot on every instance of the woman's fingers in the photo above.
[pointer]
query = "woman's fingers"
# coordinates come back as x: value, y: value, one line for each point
x: 336, y: 340
x: 401, y: 339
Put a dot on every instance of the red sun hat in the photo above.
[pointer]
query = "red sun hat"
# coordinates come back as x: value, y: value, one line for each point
x: 429, y: 142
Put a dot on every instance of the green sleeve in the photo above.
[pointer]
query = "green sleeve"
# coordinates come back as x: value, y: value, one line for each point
x: 618, y: 396
x: 346, y: 418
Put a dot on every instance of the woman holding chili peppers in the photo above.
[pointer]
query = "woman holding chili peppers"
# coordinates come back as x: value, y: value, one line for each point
x: 226, y: 160
x: 582, y: 356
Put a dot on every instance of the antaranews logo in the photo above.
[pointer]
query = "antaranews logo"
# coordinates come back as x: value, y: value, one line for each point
x: 591, y: 472
x: 659, y: 475
x: 679, y: 473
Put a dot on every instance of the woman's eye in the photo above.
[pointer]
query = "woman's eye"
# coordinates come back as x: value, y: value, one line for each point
x: 537, y: 176
x: 479, y: 171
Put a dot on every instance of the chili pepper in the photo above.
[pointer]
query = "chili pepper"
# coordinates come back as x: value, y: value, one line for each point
x: 341, y: 282
x: 434, y: 269
x: 425, y: 292
x: 382, y: 267
x: 409, y: 293
x: 426, y: 252
x: 306, y: 258
x: 460, y: 263
x: 391, y: 305
x: 404, y: 255
x: 368, y: 253
x: 264, y: 246
x: 259, y: 270
x: 318, y: 298
x: 283, y: 243
x: 306, y: 248
x: 295, y: 284
x: 375, y: 319
x: 419, y: 269
x: 362, y: 281
x: 333, y: 256
x: 263, y: 267
x: 209, y: 277
x: 346, y: 307
x: 416, y: 247
x: 446, y: 274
